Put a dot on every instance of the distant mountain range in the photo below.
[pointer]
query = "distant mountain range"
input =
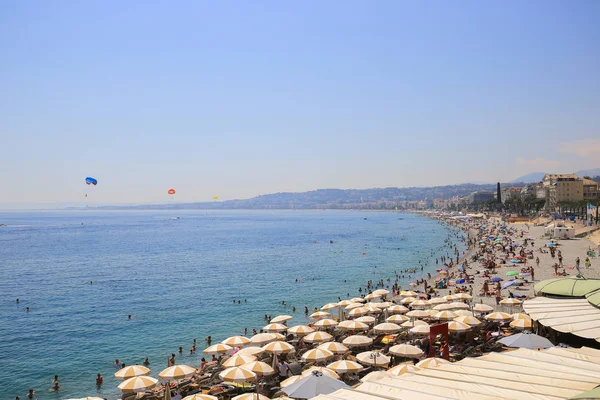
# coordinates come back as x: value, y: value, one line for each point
x: 538, y: 176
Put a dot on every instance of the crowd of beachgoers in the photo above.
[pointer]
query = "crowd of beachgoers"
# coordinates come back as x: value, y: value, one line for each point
x: 487, y: 268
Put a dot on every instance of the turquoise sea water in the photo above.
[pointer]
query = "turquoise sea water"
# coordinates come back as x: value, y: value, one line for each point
x: 178, y: 278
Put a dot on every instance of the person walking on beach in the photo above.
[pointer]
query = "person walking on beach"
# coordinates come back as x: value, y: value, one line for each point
x: 587, y: 262
x: 498, y: 296
x: 577, y: 261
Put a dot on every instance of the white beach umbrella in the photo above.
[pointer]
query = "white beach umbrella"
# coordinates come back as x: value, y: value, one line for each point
x: 238, y: 359
x: 317, y: 355
x: 397, y: 319
x: 443, y: 307
x: 402, y: 369
x: 218, y: 348
x: 320, y: 315
x: 300, y: 330
x: 261, y: 339
x: 455, y: 326
x: 353, y: 325
x: 318, y: 337
x: 374, y: 358
x: 420, y: 330
x: 236, y: 341
x: 334, y: 347
x: 387, y: 327
x: 367, y: 319
x: 458, y: 305
x: 445, y: 316
x: 278, y: 348
x: 406, y: 350
x: 345, y: 366
x: 397, y: 309
x: 375, y: 376
x: 176, y: 372
x: 357, y: 341
x: 131, y: 371
x: 431, y: 362
x: 281, y: 318
x: 329, y: 306
x: 323, y: 370
x: 237, y: 374
x: 471, y: 321
x: 137, y: 384
x: 483, y: 308
x: 326, y: 323
x: 418, y: 314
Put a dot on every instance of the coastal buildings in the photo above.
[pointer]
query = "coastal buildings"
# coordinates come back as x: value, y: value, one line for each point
x: 559, y: 189
x: 480, y: 197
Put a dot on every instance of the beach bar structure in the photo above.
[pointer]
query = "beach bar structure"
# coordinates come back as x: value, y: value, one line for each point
x: 522, y: 374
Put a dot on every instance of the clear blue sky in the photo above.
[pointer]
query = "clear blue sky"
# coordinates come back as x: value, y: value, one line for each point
x: 236, y: 98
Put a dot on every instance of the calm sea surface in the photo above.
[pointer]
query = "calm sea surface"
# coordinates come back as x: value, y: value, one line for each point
x: 178, y: 278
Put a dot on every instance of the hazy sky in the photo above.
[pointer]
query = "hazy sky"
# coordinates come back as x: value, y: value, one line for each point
x: 244, y: 98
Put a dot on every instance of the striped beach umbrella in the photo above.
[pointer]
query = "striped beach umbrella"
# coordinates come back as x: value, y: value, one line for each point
x: 218, y: 348
x: 199, y: 396
x: 274, y: 328
x: 259, y: 368
x: 458, y: 305
x: 418, y: 314
x: 402, y: 369
x: 300, y: 330
x: 520, y: 316
x: 358, y: 312
x: 236, y: 341
x: 334, y: 347
x: 382, y: 304
x: 407, y: 300
x: 131, y: 371
x: 237, y: 374
x: 455, y: 326
x: 443, y: 307
x: 317, y: 355
x: 318, y: 337
x: 420, y: 304
x: 326, y: 323
x: 471, y: 321
x: 358, y: 300
x: 437, y: 300
x: 357, y: 341
x: 280, y: 318
x: 412, y: 324
x: 483, y: 308
x: 261, y: 339
x: 510, y: 302
x: 445, y: 316
x: 431, y: 362
x: 463, y: 313
x: 137, y: 384
x: 422, y: 330
x: 372, y: 309
x: 387, y: 327
x: 278, y: 347
x: 345, y: 366
x: 324, y: 370
x: 374, y: 358
x: 397, y: 319
x: 329, y: 306
x: 238, y: 359
x: 250, y: 396
x: 406, y: 350
x: 176, y: 372
x: 251, y: 351
x: 498, y: 317
x: 408, y: 293
x: 320, y: 315
x: 367, y: 319
x: 372, y: 296
x: 521, y: 324
x: 290, y: 380
x: 462, y: 296
x: 344, y: 303
x: 397, y: 309
x: 352, y: 306
x: 353, y: 325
